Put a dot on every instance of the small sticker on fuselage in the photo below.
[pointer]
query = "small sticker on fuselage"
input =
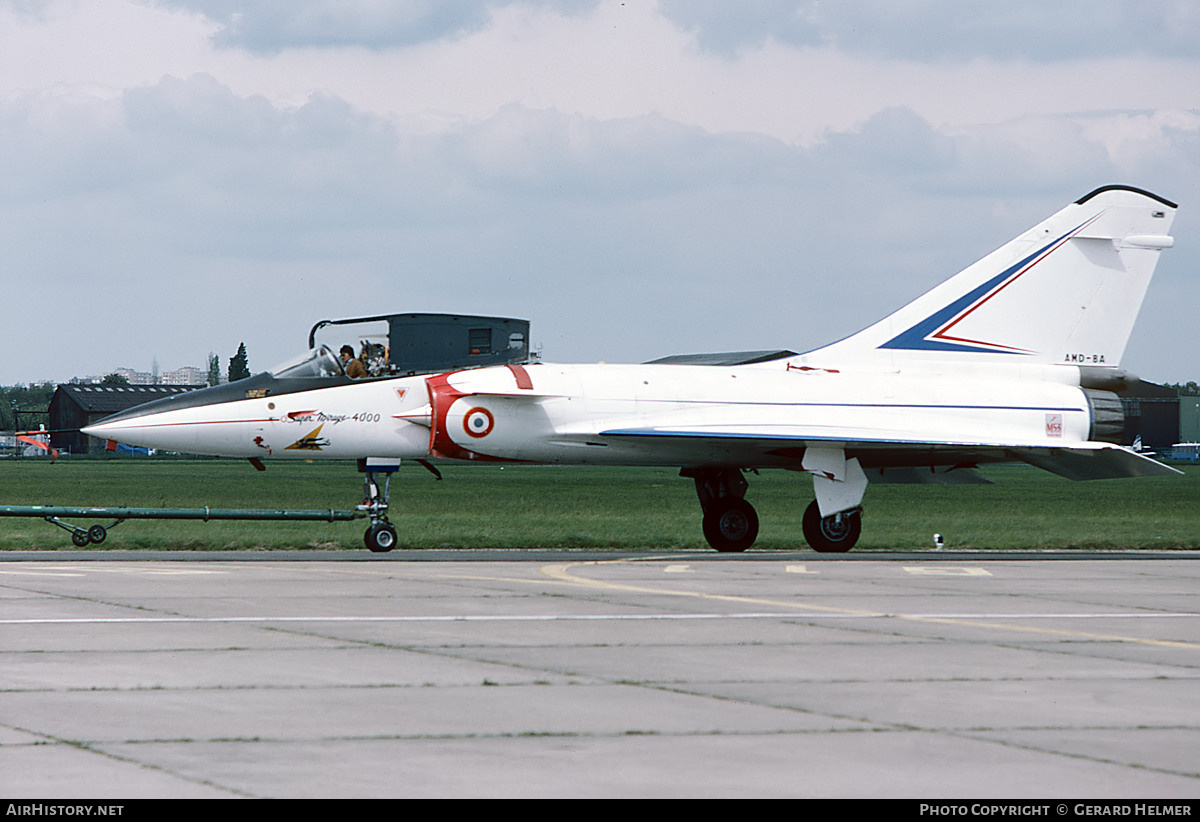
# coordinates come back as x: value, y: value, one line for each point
x: 1054, y: 426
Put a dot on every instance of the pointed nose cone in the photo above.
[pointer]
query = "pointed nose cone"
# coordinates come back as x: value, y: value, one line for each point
x: 199, y: 422
x: 111, y: 431
x: 117, y: 426
x: 156, y: 424
x: 100, y: 431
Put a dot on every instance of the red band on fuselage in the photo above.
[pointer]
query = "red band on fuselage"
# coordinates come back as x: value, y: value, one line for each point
x: 523, y: 380
x: 442, y: 395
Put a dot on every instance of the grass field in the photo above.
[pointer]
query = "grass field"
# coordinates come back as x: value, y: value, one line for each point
x: 485, y: 506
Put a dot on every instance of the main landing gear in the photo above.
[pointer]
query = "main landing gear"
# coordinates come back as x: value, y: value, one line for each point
x: 834, y: 534
x: 731, y: 524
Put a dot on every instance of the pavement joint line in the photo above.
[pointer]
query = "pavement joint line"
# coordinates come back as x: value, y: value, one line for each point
x: 562, y: 573
x: 932, y: 617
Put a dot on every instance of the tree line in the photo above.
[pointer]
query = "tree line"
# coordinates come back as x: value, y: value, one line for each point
x: 25, y: 406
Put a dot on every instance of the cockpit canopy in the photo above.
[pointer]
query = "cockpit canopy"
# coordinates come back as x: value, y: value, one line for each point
x: 427, y: 343
x: 319, y: 362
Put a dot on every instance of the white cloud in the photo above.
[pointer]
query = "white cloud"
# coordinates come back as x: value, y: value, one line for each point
x: 272, y: 26
x: 596, y: 172
x: 948, y: 30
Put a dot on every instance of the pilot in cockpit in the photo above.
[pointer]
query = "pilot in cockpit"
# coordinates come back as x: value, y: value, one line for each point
x: 353, y: 366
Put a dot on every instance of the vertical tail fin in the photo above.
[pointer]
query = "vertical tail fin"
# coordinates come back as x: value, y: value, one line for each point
x: 1066, y: 291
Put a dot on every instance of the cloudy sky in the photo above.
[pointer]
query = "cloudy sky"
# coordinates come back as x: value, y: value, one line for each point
x: 637, y: 178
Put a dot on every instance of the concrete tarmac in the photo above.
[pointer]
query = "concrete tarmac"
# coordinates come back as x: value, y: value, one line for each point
x: 926, y: 676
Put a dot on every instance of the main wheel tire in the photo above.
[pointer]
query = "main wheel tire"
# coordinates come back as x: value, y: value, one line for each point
x: 380, y: 537
x: 96, y: 534
x: 834, y: 534
x: 730, y: 525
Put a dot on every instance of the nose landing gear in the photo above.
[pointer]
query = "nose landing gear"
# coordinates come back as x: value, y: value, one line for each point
x: 381, y: 535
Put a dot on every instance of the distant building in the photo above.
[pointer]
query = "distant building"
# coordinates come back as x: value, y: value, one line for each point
x: 1189, y: 419
x: 75, y: 406
x: 135, y: 377
x: 188, y: 375
x: 1151, y: 414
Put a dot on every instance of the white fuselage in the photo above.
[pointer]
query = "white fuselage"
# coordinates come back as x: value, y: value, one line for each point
x: 629, y: 415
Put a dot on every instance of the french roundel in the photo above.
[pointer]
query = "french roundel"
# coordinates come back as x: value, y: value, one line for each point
x: 478, y: 422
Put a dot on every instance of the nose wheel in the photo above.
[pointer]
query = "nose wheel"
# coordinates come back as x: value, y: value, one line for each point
x: 380, y: 537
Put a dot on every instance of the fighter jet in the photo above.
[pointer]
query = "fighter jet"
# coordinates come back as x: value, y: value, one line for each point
x: 1014, y: 359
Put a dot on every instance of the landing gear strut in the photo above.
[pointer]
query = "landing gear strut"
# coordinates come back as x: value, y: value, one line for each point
x: 730, y: 523
x: 381, y: 535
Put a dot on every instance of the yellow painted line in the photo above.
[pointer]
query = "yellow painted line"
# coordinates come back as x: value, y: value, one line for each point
x: 563, y: 572
x: 944, y: 571
x: 1159, y: 643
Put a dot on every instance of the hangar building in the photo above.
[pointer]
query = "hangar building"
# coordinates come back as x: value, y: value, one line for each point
x: 74, y: 406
